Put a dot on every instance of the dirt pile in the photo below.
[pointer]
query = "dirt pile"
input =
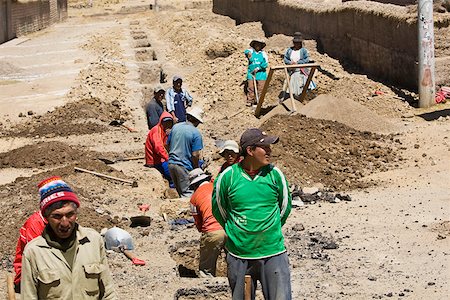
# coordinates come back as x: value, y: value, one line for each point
x: 321, y: 151
x: 43, y: 155
x: 6, y: 69
x: 18, y: 200
x: 347, y: 112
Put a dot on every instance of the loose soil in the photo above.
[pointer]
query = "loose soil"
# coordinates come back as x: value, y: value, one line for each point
x: 335, y: 155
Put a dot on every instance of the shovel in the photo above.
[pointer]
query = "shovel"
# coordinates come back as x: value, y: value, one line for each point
x: 119, y: 240
x: 120, y: 123
x: 112, y: 161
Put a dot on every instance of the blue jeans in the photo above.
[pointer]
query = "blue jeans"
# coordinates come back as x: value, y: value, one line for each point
x: 164, y: 170
x: 272, y: 272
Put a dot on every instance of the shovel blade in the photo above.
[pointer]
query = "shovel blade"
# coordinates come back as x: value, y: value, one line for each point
x: 106, y: 160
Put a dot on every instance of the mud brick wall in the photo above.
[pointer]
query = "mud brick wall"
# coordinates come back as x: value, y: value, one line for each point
x: 6, y: 31
x: 396, y: 2
x: 29, y: 16
x: 383, y: 45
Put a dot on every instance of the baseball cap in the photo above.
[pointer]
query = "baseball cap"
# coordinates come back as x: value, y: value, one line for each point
x: 176, y: 77
x: 256, y: 137
x: 158, y: 89
x: 230, y: 145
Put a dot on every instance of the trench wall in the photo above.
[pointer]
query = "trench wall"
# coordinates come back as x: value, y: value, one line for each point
x: 382, y: 44
x: 21, y: 17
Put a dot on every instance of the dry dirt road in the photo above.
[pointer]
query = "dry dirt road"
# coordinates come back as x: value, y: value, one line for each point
x: 391, y: 240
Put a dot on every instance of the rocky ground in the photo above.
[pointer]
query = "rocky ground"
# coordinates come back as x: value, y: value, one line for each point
x: 391, y: 159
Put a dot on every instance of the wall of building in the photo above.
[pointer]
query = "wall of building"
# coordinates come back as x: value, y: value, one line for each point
x: 382, y: 43
x: 30, y: 16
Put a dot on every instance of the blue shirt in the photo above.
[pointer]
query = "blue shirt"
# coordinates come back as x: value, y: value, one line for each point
x: 184, y: 139
x: 180, y: 108
x: 183, y: 100
x: 257, y: 60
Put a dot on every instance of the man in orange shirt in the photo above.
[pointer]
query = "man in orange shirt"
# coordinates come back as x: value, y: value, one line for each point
x: 213, y: 236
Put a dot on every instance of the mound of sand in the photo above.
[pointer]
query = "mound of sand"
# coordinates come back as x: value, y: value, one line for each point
x: 347, y: 112
x: 7, y: 68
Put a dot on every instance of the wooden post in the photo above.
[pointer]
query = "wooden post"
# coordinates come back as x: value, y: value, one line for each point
x: 248, y: 287
x: 306, y: 86
x: 291, y: 95
x: 263, y: 93
x: 269, y: 77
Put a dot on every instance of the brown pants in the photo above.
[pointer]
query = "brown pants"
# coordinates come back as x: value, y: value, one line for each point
x: 211, y: 244
x: 251, y: 99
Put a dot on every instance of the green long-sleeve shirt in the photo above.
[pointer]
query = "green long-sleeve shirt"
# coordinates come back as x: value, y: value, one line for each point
x: 252, y: 211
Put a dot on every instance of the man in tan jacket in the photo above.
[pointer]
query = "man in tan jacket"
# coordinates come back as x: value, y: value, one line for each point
x: 67, y: 261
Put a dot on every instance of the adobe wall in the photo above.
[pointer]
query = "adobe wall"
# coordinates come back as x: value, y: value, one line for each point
x: 396, y: 2
x: 383, y: 43
x: 31, y: 16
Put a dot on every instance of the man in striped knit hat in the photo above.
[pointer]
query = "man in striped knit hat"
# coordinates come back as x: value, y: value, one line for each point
x: 67, y: 261
x: 251, y: 201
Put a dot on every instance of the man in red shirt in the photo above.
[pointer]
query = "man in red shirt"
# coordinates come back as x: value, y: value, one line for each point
x: 31, y: 229
x: 156, y: 155
x: 213, y: 236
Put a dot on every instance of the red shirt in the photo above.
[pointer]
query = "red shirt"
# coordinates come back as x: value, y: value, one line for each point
x: 201, y: 209
x: 31, y: 229
x: 155, y: 153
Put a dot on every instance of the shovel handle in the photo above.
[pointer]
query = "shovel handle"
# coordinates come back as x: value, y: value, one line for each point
x: 10, y: 286
x: 130, y: 255
x: 130, y: 129
x: 106, y: 176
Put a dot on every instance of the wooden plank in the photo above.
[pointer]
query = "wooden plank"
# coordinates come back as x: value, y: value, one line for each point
x: 294, y: 66
x: 291, y: 95
x: 306, y: 86
x: 263, y: 93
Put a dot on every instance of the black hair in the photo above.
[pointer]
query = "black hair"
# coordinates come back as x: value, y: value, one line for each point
x: 57, y: 205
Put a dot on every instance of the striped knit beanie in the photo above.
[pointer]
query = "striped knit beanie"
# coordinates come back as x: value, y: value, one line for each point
x: 54, y: 189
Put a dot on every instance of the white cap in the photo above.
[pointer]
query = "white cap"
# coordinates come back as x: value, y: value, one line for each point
x: 196, y: 112
x: 230, y: 145
x: 198, y: 175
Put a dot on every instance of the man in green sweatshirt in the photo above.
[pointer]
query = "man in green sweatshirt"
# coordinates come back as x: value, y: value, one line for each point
x: 251, y: 201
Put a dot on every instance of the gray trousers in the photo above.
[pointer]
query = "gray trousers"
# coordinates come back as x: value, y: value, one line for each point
x: 272, y: 272
x: 180, y: 177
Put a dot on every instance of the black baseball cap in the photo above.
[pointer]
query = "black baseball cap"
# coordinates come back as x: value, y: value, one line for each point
x: 256, y: 137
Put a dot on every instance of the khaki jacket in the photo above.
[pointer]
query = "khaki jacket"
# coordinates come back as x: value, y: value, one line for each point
x: 47, y: 275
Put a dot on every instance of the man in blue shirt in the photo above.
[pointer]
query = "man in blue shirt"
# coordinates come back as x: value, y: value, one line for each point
x: 185, y: 142
x: 177, y: 100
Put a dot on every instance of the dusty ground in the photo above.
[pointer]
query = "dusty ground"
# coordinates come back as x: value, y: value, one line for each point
x: 391, y: 240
